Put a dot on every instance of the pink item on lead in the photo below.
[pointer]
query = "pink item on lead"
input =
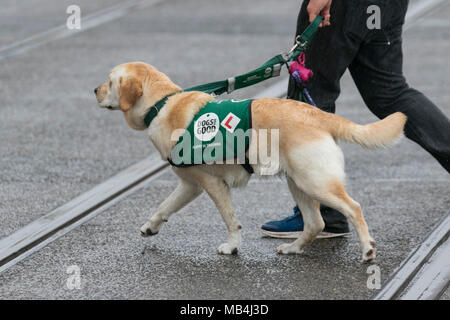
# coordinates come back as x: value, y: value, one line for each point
x: 305, y: 74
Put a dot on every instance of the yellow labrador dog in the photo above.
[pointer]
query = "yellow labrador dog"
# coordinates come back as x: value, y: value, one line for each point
x: 309, y: 155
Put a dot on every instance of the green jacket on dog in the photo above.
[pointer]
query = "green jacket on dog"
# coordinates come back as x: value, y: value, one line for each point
x: 220, y: 131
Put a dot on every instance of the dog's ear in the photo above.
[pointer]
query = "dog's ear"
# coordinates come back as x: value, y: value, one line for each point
x: 129, y: 92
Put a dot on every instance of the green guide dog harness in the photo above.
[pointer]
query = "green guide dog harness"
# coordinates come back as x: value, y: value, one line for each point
x: 219, y: 133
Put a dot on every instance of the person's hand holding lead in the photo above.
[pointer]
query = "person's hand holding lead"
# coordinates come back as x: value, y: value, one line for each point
x: 322, y: 7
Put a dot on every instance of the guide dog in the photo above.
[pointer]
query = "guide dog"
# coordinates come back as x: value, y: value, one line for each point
x: 309, y: 155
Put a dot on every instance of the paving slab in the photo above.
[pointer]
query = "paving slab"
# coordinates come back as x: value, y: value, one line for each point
x: 20, y: 19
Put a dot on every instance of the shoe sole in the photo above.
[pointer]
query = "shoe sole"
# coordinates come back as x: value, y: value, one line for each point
x: 296, y: 234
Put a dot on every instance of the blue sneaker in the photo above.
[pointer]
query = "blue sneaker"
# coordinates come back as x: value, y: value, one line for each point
x: 292, y: 227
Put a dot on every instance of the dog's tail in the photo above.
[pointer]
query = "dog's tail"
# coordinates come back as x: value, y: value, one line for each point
x: 379, y: 134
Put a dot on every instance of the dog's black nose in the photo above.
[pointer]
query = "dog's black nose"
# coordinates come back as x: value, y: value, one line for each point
x: 95, y: 90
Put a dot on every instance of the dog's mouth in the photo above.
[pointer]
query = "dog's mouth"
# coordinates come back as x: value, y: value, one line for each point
x: 111, y: 108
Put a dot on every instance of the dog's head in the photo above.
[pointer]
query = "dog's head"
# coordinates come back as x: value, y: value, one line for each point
x: 133, y: 88
x: 124, y: 86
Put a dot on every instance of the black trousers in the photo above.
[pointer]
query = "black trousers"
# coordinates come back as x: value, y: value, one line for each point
x: 375, y: 60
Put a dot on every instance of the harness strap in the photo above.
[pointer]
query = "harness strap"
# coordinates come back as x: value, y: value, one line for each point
x: 248, y: 167
x: 154, y: 110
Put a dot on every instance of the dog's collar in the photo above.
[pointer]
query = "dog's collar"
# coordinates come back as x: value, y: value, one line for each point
x: 154, y: 110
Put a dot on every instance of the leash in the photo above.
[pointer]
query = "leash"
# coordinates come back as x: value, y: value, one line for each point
x: 269, y: 69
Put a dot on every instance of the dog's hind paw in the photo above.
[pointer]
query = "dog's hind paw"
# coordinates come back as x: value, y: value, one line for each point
x: 288, y: 248
x: 226, y: 248
x: 369, y: 253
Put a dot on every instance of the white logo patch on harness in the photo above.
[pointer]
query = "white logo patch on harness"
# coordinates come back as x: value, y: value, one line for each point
x: 206, y: 127
x: 230, y: 122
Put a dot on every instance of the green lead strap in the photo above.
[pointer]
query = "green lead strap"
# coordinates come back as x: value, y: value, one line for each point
x: 303, y: 40
x: 269, y: 69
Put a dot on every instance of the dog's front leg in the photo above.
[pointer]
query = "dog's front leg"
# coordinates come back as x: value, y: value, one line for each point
x: 219, y: 192
x: 184, y: 193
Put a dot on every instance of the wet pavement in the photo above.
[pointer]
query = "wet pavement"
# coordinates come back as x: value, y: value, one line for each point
x: 57, y: 144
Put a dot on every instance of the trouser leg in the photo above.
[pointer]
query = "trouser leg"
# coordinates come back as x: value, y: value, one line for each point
x: 378, y: 73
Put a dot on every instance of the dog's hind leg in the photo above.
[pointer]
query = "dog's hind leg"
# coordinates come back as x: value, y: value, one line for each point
x: 311, y: 217
x: 184, y: 193
x: 318, y: 170
x: 335, y: 196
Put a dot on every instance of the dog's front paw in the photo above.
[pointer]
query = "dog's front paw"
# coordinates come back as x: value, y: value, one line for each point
x: 226, y: 248
x: 146, y: 231
x: 288, y: 248
x: 369, y: 252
